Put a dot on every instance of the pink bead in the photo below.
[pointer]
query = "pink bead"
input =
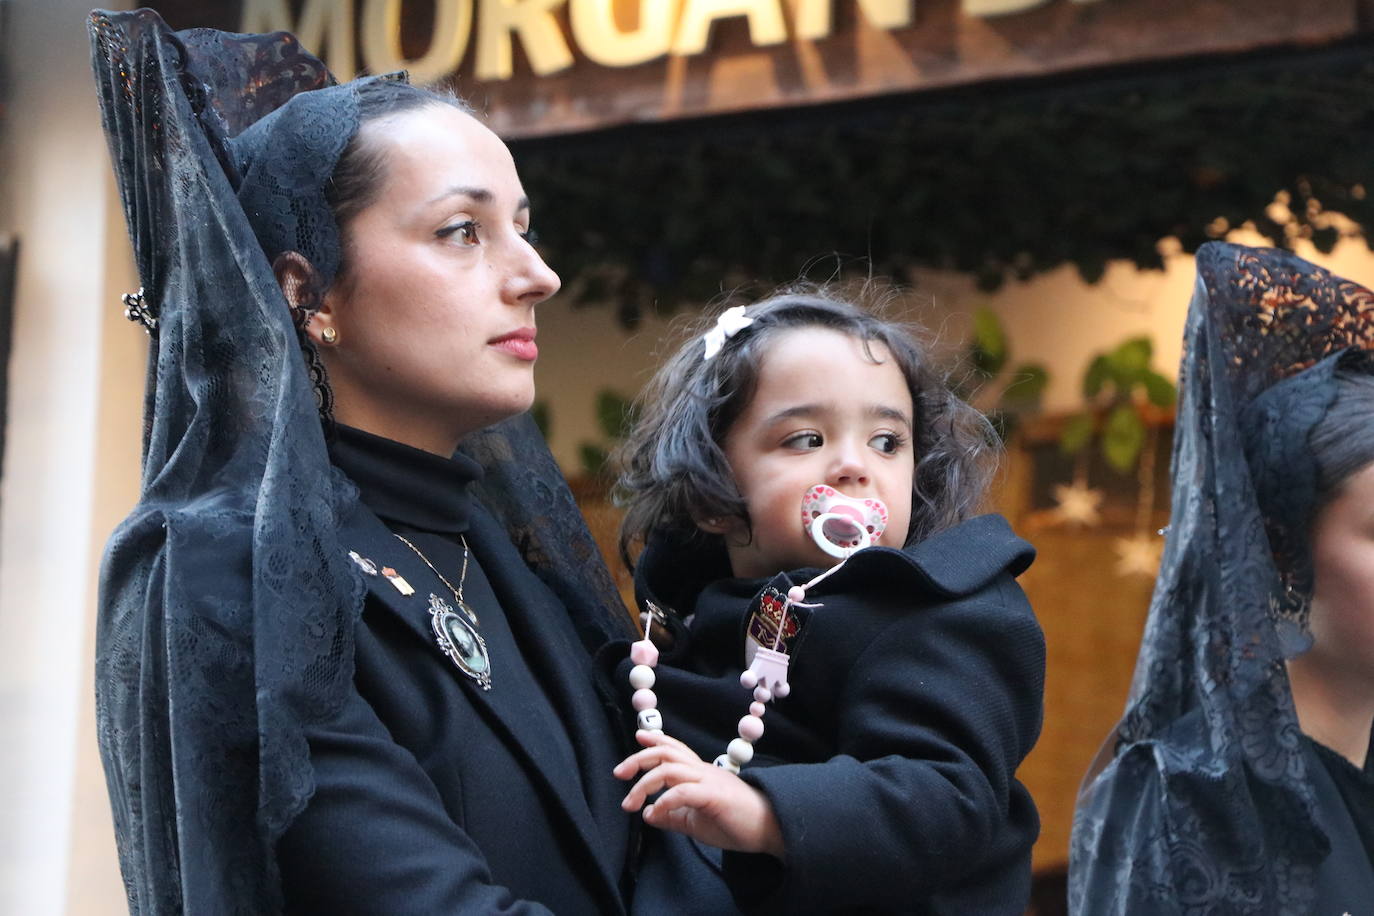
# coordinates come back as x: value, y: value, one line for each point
x: 644, y: 699
x: 757, y: 709
x: 762, y: 694
x: 644, y: 652
x: 750, y: 728
x: 781, y: 689
x: 748, y: 680
x: 796, y: 594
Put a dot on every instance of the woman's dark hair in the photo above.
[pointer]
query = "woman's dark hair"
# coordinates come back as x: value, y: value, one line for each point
x: 1343, y: 441
x: 673, y: 470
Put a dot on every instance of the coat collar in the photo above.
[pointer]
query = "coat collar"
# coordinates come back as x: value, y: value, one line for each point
x: 949, y: 564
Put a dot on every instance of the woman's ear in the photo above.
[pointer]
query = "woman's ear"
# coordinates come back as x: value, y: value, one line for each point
x: 300, y: 284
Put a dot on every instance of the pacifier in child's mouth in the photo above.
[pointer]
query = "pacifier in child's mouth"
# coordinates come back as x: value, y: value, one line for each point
x: 840, y: 525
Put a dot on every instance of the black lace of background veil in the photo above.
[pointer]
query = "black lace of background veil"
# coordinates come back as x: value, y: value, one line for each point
x: 1202, y: 805
x: 227, y: 603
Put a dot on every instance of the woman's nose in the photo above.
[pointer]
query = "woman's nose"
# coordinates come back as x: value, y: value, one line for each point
x: 530, y: 281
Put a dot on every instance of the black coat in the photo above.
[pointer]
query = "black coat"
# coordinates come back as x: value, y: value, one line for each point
x: 436, y: 796
x: 916, y: 692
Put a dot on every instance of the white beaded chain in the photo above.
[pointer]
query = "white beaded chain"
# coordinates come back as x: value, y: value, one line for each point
x: 766, y: 676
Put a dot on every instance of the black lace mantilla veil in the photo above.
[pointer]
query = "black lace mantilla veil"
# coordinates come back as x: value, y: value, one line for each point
x: 1202, y: 805
x: 227, y: 603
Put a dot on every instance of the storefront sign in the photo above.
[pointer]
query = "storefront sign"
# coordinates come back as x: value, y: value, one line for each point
x: 538, y: 67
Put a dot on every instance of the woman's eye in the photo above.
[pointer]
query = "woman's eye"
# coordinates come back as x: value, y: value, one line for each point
x: 465, y: 232
x: 530, y: 236
x: 887, y: 443
x: 804, y: 441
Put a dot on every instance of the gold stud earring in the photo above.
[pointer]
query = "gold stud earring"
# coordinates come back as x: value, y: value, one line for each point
x: 329, y: 336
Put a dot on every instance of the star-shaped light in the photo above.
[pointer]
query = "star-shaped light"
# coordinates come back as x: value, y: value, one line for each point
x: 1139, y: 554
x: 1077, y: 503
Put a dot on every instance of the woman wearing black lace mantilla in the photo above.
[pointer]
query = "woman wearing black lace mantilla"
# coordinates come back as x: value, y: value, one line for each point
x: 1240, y: 780
x: 339, y: 670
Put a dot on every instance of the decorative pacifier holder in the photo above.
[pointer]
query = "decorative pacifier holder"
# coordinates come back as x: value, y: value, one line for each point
x: 840, y: 526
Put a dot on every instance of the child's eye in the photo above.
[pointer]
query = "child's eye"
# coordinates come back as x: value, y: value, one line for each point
x: 804, y: 441
x: 888, y: 443
x: 466, y: 232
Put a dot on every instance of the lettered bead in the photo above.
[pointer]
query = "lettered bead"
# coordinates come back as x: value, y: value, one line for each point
x: 725, y: 763
x: 751, y: 728
x: 748, y: 679
x: 650, y: 720
x: 641, y: 676
x: 740, y: 751
x: 757, y: 709
x: 644, y: 699
x: 644, y: 652
x: 762, y: 694
x: 781, y: 689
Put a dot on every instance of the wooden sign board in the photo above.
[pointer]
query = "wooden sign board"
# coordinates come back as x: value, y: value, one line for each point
x: 541, y: 67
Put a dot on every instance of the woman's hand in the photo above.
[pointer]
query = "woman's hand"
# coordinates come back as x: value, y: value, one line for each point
x: 701, y: 800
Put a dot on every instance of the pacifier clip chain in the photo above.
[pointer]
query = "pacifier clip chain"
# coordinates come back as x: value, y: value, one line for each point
x: 860, y: 523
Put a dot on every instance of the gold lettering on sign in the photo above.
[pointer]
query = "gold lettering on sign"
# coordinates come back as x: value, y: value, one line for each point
x: 814, y: 19
x: 382, y: 39
x: 597, y: 35
x: 325, y: 27
x: 539, y: 32
x: 766, y: 25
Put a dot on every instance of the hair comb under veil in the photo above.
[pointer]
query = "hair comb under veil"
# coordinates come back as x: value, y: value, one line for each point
x: 1199, y: 801
x: 227, y: 604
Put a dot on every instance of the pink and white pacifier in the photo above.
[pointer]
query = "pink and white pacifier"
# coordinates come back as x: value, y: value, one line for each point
x: 840, y: 525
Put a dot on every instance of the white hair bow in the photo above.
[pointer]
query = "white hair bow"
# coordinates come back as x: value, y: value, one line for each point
x: 729, y: 323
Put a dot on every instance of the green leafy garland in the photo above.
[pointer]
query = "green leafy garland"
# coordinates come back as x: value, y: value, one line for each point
x: 998, y: 182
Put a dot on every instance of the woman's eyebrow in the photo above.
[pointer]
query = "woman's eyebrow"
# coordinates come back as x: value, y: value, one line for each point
x: 476, y: 195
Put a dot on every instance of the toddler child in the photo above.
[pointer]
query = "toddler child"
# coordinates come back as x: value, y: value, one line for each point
x: 901, y: 689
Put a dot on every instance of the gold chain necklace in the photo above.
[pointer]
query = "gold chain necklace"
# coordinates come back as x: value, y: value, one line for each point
x: 462, y: 576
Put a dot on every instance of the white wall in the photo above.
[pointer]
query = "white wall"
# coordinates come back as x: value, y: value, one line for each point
x: 55, y: 194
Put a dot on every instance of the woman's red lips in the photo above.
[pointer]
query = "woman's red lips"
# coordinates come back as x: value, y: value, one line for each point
x: 518, y: 343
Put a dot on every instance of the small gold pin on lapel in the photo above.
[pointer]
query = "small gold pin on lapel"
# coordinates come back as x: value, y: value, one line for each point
x: 396, y: 579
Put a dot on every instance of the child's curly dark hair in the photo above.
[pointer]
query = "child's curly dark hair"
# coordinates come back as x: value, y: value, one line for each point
x: 673, y: 471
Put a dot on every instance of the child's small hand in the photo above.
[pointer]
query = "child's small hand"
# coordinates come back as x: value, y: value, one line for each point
x: 701, y: 800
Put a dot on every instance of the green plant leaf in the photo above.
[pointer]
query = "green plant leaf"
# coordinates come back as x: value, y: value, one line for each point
x: 1099, y: 370
x: 1122, y: 437
x: 594, y: 459
x: 539, y: 412
x: 1134, y: 353
x: 1078, y: 431
x: 612, y: 414
x: 1027, y: 385
x: 988, y: 350
x: 1160, y: 390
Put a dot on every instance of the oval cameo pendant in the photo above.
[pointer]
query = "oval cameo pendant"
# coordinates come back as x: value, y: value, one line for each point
x: 460, y: 641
